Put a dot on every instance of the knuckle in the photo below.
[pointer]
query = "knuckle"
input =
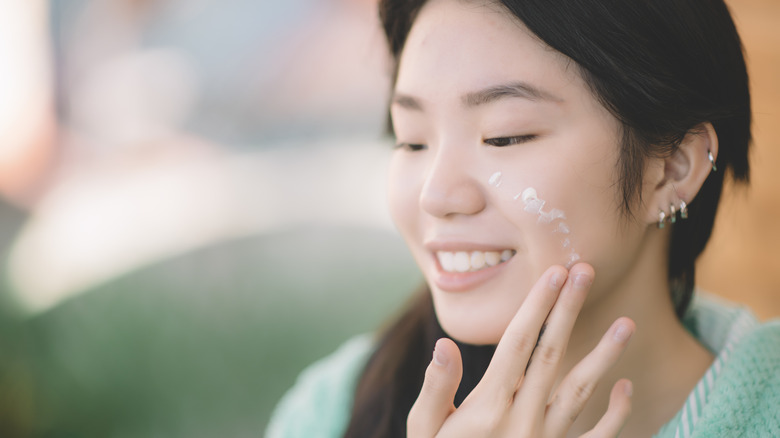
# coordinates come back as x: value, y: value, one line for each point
x: 522, y: 343
x: 583, y: 389
x: 548, y: 355
x: 485, y: 416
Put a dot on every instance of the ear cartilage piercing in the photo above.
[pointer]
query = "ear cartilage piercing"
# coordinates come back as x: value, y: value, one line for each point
x: 712, y: 161
x: 673, y: 214
x: 661, y: 219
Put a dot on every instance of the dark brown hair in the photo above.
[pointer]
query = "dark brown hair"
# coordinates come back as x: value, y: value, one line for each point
x: 662, y: 68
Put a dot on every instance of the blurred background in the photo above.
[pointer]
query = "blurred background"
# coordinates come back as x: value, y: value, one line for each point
x: 193, y: 206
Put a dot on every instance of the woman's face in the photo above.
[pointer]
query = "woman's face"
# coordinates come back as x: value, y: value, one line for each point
x: 506, y: 165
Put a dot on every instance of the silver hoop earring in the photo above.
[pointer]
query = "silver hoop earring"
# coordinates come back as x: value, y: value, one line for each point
x: 661, y: 219
x: 683, y: 210
x: 673, y: 214
x: 712, y: 161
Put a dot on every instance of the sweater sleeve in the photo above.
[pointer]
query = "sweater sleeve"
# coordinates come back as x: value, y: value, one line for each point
x: 320, y: 402
x: 745, y: 401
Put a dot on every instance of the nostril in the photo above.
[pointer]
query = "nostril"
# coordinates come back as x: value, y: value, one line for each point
x: 459, y: 200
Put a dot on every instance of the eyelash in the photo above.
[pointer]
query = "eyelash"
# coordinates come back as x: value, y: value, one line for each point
x: 497, y: 142
x: 413, y: 147
x: 509, y: 141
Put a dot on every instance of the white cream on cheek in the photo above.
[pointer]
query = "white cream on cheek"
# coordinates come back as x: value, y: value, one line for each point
x: 495, y: 179
x: 534, y: 205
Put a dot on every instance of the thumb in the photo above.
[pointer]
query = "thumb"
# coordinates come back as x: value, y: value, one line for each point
x: 436, y: 400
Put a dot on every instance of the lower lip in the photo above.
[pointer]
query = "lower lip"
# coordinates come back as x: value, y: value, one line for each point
x: 465, y: 281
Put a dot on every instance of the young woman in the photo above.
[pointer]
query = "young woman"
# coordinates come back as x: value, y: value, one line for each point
x: 558, y: 170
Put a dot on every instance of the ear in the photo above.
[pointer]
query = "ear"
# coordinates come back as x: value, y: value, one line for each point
x: 683, y: 174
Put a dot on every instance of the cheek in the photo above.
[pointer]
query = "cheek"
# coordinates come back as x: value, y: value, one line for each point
x: 537, y: 212
x: 590, y: 229
x: 403, y: 190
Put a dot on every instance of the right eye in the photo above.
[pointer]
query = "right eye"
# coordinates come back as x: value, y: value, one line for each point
x: 413, y: 147
x: 509, y: 141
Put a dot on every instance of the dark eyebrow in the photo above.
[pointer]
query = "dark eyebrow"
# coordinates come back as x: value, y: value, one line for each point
x: 491, y: 94
x: 521, y: 90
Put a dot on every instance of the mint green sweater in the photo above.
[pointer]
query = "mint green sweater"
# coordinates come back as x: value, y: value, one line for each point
x: 739, y: 396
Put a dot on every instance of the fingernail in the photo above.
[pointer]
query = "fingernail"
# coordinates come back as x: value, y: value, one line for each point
x: 556, y: 280
x: 582, y: 280
x: 439, y: 358
x: 628, y: 388
x: 622, y: 333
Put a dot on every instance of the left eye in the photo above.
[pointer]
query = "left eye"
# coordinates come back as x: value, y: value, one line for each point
x: 509, y: 141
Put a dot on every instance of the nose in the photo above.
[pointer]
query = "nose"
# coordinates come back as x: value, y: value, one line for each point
x: 449, y: 188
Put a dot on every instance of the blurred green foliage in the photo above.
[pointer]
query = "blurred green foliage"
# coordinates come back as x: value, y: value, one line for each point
x: 201, y: 345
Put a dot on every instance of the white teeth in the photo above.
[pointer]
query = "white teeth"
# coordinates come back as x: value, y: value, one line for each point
x: 462, y: 261
x: 446, y: 260
x: 477, y: 260
x: 506, y: 255
x: 492, y: 258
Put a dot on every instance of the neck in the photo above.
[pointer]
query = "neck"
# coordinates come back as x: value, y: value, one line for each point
x: 663, y: 360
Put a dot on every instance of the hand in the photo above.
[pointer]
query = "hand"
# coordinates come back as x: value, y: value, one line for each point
x: 515, y: 396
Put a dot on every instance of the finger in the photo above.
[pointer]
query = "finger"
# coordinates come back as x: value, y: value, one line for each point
x: 577, y: 387
x: 519, y: 340
x: 619, y: 409
x: 531, y: 399
x: 436, y: 400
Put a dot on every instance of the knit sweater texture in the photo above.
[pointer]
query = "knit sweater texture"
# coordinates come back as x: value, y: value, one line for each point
x: 739, y: 396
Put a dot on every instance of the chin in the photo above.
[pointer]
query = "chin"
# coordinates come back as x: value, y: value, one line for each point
x: 474, y: 331
x: 478, y: 317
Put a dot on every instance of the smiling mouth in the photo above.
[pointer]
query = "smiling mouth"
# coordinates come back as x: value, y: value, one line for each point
x: 472, y: 261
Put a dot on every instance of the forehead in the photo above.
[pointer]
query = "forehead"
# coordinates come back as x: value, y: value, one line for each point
x: 468, y: 45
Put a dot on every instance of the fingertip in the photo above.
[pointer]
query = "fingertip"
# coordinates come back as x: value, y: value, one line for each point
x: 440, y: 356
x: 625, y: 386
x: 618, y: 411
x: 581, y: 276
x: 628, y: 322
x: 558, y: 268
x: 446, y: 355
x: 622, y: 330
x: 435, y: 401
x: 628, y: 394
x: 557, y: 275
x: 583, y: 268
x: 620, y: 399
